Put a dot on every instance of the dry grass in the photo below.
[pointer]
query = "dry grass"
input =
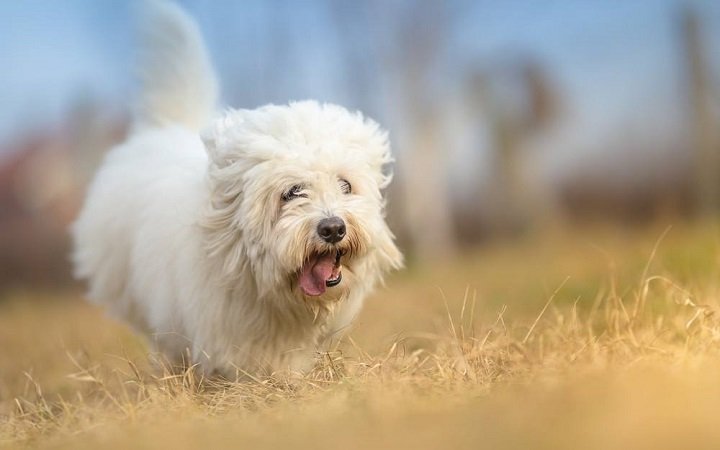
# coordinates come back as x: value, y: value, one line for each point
x: 600, y: 339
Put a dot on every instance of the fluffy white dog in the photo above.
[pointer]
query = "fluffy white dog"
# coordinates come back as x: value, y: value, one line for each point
x: 245, y: 240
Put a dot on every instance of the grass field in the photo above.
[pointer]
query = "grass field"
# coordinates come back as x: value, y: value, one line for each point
x: 600, y: 338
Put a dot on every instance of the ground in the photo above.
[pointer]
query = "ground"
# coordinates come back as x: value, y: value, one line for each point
x: 602, y: 337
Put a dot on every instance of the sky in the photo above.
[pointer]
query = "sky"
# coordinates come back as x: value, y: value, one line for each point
x: 617, y: 64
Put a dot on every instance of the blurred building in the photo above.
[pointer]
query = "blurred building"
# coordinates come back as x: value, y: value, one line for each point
x: 42, y: 184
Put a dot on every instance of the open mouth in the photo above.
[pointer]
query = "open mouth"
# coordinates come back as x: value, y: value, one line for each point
x: 320, y: 271
x: 336, y: 277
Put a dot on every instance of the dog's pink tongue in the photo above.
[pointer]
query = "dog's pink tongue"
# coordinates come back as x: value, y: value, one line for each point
x: 315, y: 273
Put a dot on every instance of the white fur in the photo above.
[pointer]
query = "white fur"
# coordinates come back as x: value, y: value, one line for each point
x: 184, y: 233
x: 178, y: 83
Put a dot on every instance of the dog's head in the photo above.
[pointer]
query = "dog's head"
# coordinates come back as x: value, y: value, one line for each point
x: 297, y: 198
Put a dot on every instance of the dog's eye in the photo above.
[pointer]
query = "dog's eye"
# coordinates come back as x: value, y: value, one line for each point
x: 294, y: 192
x: 345, y: 186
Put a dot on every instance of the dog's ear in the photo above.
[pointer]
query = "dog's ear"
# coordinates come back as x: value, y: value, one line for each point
x: 223, y: 139
x: 207, y: 136
x: 384, y: 257
x: 212, y: 137
x: 387, y: 255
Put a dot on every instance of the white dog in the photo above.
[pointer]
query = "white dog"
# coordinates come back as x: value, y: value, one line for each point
x: 245, y: 240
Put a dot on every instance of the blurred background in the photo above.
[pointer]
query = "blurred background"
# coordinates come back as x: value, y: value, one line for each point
x: 506, y: 117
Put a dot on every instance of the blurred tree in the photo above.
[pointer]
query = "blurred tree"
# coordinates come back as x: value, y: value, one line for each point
x: 705, y: 142
x: 418, y: 31
x: 516, y: 101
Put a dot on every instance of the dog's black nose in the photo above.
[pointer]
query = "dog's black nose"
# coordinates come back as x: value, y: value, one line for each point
x: 331, y: 230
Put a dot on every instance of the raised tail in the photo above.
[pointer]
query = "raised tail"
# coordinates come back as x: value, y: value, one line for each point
x: 178, y: 84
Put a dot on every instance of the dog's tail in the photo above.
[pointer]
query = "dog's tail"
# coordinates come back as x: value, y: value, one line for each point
x: 178, y: 84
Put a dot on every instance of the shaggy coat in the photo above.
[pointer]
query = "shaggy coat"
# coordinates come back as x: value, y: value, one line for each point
x: 201, y: 230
